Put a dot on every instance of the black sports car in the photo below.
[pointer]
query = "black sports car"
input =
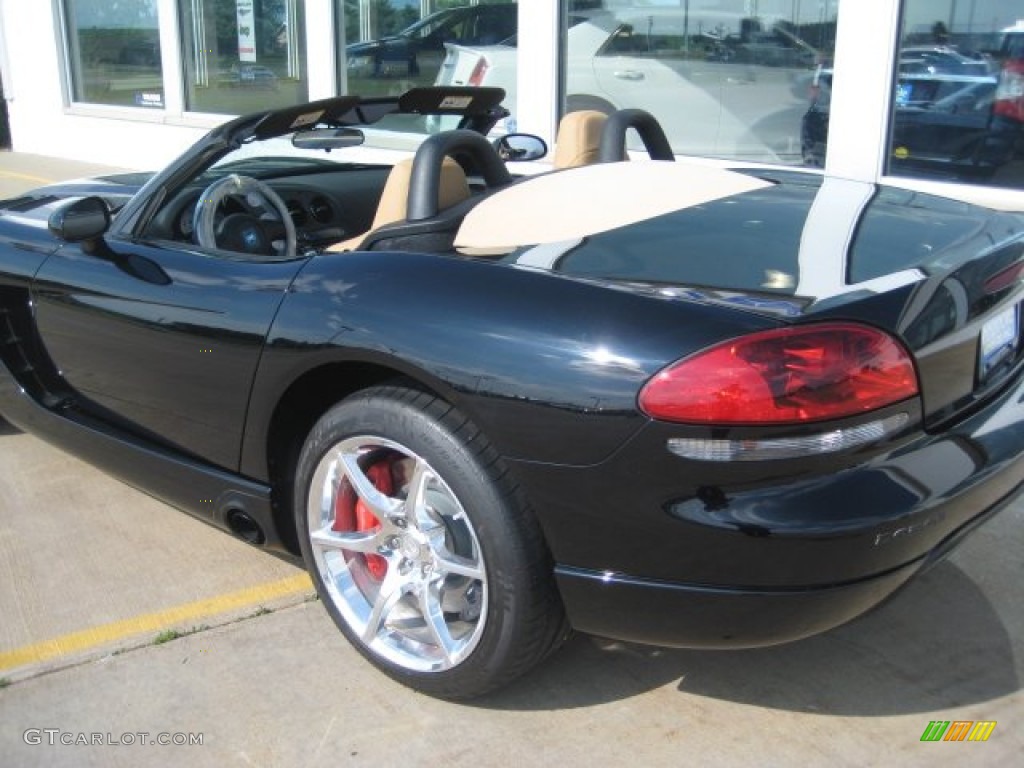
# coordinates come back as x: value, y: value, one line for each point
x: 650, y: 400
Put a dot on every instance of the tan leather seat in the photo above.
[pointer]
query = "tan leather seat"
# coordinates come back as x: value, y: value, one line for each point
x: 579, y: 136
x: 394, y: 200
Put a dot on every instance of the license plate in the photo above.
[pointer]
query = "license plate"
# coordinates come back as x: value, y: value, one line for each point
x: 999, y: 338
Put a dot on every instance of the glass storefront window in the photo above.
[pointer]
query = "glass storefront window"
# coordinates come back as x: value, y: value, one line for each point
x: 454, y: 44
x: 958, y: 105
x: 736, y: 79
x: 114, y: 52
x: 243, y: 55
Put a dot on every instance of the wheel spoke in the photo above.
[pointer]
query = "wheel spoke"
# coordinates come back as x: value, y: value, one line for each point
x: 391, y: 591
x: 453, y: 565
x: 433, y: 615
x: 384, y: 508
x: 415, y: 498
x: 449, y: 563
x: 367, y: 542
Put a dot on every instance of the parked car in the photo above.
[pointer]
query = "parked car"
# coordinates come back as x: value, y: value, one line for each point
x: 689, y: 409
x: 419, y: 49
x: 941, y: 60
x: 249, y: 76
x: 945, y: 126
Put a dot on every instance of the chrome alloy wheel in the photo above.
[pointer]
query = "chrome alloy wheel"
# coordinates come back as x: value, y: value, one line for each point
x: 397, y: 553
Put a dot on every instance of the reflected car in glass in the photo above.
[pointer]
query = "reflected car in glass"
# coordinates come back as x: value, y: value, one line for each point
x: 249, y: 76
x: 723, y: 92
x: 419, y: 49
x: 942, y: 60
x: 651, y: 400
x: 966, y: 127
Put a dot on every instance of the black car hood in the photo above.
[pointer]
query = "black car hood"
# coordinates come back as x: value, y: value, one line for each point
x: 369, y: 46
x: 34, y: 208
x: 114, y: 184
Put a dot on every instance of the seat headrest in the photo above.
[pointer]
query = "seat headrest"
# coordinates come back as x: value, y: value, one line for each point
x: 579, y: 138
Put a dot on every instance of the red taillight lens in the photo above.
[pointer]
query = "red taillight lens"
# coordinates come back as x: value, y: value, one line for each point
x: 1009, y: 99
x: 787, y: 376
x: 476, y: 77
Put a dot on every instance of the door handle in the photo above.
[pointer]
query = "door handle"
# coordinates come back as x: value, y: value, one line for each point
x: 628, y: 74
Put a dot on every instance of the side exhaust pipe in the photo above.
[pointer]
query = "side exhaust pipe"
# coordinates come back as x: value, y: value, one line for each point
x: 245, y: 528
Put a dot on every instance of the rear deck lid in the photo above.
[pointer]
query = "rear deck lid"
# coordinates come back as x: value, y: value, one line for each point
x: 943, y: 276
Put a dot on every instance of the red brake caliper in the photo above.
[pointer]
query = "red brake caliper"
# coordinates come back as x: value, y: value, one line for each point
x: 352, y: 514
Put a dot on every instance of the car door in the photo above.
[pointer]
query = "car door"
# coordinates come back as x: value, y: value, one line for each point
x: 161, y: 339
x: 645, y: 63
x: 621, y: 66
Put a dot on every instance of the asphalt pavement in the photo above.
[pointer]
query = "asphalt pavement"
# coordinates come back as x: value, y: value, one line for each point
x: 133, y: 635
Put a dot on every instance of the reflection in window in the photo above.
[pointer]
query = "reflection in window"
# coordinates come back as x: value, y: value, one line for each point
x: 958, y: 106
x: 391, y: 48
x: 243, y: 55
x: 114, y: 52
x: 725, y: 78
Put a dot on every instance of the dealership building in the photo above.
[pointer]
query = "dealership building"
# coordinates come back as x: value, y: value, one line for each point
x: 794, y: 83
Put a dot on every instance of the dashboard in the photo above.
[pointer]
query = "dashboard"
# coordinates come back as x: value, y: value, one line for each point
x: 324, y: 207
x: 317, y: 217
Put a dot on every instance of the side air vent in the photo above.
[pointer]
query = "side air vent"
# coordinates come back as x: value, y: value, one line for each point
x: 14, y: 350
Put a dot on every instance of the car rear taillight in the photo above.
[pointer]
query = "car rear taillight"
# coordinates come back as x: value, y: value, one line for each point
x: 787, y: 376
x: 1009, y: 99
x: 476, y: 77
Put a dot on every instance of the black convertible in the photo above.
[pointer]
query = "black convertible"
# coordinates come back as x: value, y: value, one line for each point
x: 650, y: 400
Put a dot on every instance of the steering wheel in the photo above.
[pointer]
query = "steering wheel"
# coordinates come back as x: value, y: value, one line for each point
x: 258, y: 229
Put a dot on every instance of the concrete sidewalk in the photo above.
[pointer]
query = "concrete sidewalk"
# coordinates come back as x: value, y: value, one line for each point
x: 284, y: 689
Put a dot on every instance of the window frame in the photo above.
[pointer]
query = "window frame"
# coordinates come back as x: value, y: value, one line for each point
x: 860, y: 125
x: 65, y: 57
x: 1003, y: 198
x: 320, y: 16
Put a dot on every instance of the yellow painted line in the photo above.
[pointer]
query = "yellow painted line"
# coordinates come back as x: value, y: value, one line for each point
x: 151, y: 622
x: 26, y: 177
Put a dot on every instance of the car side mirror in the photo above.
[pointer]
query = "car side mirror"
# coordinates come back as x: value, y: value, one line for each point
x: 84, y: 219
x: 520, y: 147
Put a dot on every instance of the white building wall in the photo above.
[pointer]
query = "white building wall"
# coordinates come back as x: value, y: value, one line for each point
x: 42, y: 122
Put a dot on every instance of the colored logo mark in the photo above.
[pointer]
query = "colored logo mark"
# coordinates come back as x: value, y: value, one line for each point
x: 958, y: 730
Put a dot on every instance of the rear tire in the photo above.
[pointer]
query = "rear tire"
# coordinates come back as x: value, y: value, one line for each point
x: 421, y: 546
